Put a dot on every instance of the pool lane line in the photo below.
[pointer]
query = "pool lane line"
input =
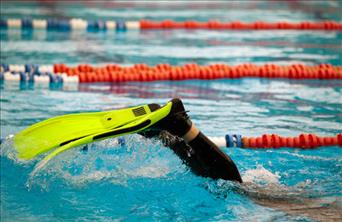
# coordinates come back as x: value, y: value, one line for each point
x: 122, y: 25
x: 85, y: 73
x: 266, y: 141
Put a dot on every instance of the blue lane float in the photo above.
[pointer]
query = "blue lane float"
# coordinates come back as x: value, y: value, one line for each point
x: 37, y: 77
x: 67, y: 25
x: 233, y: 140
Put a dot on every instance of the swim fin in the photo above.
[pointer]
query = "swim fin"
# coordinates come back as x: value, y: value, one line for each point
x: 67, y: 131
x: 135, y: 126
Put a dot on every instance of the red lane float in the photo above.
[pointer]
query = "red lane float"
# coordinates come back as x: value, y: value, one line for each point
x: 120, y: 25
x: 303, y: 141
x: 143, y: 72
x: 238, y: 25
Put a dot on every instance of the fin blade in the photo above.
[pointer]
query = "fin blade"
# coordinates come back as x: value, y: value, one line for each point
x: 132, y: 127
x: 58, y: 131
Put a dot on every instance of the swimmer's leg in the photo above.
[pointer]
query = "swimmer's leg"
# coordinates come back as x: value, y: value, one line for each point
x: 198, y: 152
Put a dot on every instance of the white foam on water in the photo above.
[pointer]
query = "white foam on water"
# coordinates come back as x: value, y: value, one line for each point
x: 260, y: 175
x: 264, y: 188
x: 7, y: 150
x: 106, y: 161
x: 262, y: 184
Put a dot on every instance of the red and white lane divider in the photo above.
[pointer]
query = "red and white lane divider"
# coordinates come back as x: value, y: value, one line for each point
x: 163, y: 72
x: 120, y: 25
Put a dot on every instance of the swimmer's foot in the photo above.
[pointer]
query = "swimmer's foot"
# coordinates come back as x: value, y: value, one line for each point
x: 177, y: 122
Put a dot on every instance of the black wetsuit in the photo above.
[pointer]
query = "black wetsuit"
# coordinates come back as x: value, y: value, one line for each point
x: 202, y: 156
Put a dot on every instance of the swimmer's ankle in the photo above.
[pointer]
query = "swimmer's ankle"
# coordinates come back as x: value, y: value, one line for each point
x: 191, y: 134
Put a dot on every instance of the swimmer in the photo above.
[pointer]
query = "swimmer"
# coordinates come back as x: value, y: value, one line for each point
x: 171, y: 124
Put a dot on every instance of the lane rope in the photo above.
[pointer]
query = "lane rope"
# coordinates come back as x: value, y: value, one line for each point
x: 85, y: 73
x: 266, y: 141
x: 121, y: 25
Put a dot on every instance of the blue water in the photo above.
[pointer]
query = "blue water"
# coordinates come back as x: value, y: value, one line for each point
x: 144, y: 181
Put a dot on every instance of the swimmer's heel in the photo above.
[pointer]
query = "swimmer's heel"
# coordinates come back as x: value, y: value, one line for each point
x: 177, y: 122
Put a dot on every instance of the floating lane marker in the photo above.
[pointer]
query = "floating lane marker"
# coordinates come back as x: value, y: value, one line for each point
x: 97, y: 25
x: 141, y: 72
x: 39, y: 24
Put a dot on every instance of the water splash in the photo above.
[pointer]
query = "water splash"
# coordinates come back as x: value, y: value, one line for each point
x: 106, y: 161
x: 7, y: 150
x: 260, y: 176
x: 264, y: 188
x: 261, y: 183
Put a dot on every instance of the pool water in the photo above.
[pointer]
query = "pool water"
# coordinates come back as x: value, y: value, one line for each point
x: 145, y: 181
